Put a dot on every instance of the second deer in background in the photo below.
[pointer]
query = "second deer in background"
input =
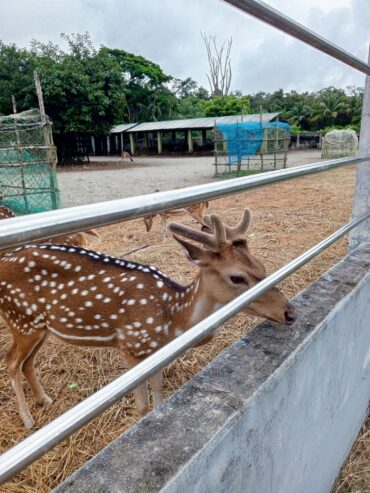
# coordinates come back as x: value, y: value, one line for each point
x: 196, y: 211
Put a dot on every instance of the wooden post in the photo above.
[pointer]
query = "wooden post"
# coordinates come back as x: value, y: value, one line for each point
x: 121, y: 138
x: 159, y: 142
x: 298, y: 141
x: 20, y: 154
x: 47, y: 139
x: 132, y: 143
x: 14, y: 104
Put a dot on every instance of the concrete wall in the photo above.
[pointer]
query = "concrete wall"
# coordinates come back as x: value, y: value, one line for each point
x: 275, y: 413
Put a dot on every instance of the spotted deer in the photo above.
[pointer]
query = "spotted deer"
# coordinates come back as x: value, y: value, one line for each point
x: 196, y: 211
x: 78, y: 239
x: 5, y: 212
x: 91, y: 299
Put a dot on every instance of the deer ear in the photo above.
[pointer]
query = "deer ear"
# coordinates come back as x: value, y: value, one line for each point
x: 194, y: 253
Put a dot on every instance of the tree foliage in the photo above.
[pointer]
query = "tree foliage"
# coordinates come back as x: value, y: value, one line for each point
x: 329, y: 107
x: 226, y: 105
x: 89, y: 90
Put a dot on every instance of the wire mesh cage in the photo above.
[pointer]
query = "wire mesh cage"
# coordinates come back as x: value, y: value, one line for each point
x: 339, y: 143
x: 250, y: 147
x: 28, y: 159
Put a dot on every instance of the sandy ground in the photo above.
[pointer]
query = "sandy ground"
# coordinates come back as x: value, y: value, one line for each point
x: 289, y: 217
x: 146, y: 175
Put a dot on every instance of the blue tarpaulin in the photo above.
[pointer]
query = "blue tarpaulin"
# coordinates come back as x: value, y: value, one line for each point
x: 244, y: 139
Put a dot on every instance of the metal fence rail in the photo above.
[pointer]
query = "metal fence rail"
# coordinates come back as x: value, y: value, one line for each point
x: 274, y: 18
x: 33, y: 447
x: 47, y: 224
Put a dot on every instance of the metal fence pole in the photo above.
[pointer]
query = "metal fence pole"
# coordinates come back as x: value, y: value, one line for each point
x: 361, y: 199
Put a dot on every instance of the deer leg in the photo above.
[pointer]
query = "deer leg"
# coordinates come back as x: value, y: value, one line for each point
x: 164, y: 226
x: 142, y: 399
x: 18, y: 353
x: 156, y: 385
x: 141, y: 394
x: 31, y: 376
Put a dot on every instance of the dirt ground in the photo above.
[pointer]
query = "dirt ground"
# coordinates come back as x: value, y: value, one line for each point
x: 113, y: 178
x: 288, y: 218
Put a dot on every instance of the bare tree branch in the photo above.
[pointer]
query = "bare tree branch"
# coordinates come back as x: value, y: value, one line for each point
x: 219, y: 60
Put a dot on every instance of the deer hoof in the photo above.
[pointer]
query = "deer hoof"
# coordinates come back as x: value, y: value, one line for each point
x: 28, y: 422
x: 44, y: 400
x: 142, y: 412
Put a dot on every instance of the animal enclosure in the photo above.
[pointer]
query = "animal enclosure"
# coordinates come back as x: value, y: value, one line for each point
x: 307, y: 212
x: 28, y: 161
x: 250, y: 147
x: 339, y: 143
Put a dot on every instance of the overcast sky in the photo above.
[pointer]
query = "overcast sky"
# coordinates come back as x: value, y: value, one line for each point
x: 168, y: 33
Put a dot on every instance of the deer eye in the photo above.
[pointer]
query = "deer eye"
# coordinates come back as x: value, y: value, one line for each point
x: 237, y: 279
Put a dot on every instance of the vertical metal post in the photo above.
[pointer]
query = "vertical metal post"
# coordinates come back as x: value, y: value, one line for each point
x: 361, y: 200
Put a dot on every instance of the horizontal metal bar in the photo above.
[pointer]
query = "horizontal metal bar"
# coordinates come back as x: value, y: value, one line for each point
x: 33, y: 447
x: 274, y: 18
x: 19, y: 230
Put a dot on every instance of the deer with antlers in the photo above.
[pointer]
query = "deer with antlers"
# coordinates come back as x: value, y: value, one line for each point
x: 81, y: 239
x: 196, y: 211
x: 91, y: 299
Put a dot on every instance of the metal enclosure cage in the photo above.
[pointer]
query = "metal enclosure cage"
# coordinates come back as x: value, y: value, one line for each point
x: 28, y: 161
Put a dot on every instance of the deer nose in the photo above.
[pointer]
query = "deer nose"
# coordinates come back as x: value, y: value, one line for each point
x: 290, y: 316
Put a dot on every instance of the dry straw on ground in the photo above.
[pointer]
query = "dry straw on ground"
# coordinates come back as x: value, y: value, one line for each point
x: 288, y: 218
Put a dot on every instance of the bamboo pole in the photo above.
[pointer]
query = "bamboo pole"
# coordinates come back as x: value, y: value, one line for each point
x: 47, y: 140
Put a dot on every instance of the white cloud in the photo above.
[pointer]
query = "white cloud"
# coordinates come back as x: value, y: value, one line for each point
x: 168, y: 32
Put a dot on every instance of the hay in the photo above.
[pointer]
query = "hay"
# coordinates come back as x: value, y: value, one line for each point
x: 288, y: 218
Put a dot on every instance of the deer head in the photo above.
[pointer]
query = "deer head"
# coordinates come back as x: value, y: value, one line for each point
x: 228, y: 268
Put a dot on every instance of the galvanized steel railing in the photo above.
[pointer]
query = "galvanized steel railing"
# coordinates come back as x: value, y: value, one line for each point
x: 21, y: 230
x: 40, y: 226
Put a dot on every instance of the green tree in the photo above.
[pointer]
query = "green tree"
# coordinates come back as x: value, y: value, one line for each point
x: 147, y: 96
x: 83, y: 87
x: 226, y: 105
x: 16, y: 78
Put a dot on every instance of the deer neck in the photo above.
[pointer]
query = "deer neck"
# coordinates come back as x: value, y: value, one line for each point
x: 192, y: 306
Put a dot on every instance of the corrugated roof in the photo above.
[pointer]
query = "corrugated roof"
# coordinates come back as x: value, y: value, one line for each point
x: 122, y: 128
x: 200, y: 123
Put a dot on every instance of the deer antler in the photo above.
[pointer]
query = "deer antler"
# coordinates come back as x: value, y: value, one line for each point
x: 241, y: 229
x: 236, y: 232
x: 215, y: 241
